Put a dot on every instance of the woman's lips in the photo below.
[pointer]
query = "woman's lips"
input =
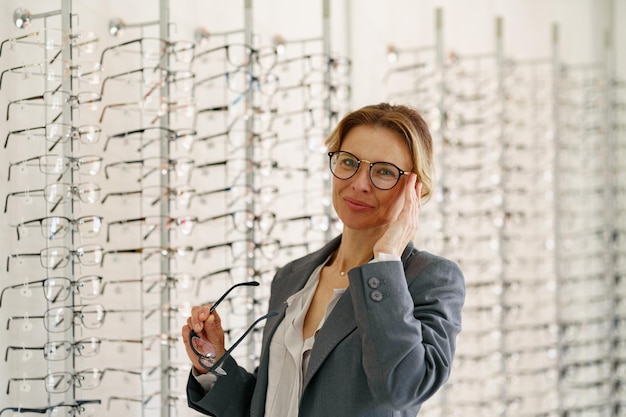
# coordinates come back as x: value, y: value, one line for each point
x: 356, y: 204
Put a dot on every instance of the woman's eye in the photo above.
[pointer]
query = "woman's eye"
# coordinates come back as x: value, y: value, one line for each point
x: 386, y: 172
x: 350, y: 162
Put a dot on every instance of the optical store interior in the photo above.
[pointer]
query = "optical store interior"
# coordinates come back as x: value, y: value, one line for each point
x: 158, y: 152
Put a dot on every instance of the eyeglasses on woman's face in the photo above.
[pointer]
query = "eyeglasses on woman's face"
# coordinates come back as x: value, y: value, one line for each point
x: 384, y: 175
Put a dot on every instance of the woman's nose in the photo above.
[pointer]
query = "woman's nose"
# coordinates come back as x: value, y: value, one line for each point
x: 361, y: 180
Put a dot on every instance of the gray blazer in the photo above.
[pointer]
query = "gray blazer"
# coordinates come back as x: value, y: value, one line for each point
x: 386, y: 347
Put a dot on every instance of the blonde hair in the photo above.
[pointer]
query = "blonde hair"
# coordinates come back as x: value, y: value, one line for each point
x: 404, y: 121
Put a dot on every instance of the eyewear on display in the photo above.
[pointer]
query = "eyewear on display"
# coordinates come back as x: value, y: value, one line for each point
x: 157, y: 282
x: 243, y: 247
x: 61, y: 133
x: 318, y: 90
x: 62, y: 349
x: 153, y: 78
x: 241, y: 55
x: 149, y: 251
x: 55, y: 257
x: 186, y: 136
x: 384, y: 175
x: 205, y: 350
x: 151, y: 223
x: 61, y: 319
x: 235, y: 193
x: 245, y: 220
x: 13, y: 42
x: 154, y: 109
x: 320, y: 62
x: 310, y: 117
x: 56, y: 194
x: 149, y: 401
x: 241, y: 81
x: 245, y: 130
x: 319, y: 222
x: 84, y: 71
x: 85, y: 408
x: 52, y: 39
x: 154, y: 194
x: 57, y: 289
x: 56, y: 99
x: 58, y: 382
x: 154, y: 49
x: 236, y: 167
x: 57, y: 227
x: 59, y: 164
x: 180, y: 166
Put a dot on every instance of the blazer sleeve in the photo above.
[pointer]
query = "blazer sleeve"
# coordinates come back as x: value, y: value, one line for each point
x: 408, y: 317
x: 230, y: 396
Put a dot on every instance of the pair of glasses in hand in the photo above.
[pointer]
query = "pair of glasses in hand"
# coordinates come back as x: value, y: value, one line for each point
x: 206, y: 351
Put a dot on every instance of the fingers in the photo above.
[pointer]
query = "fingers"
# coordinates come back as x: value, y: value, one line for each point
x: 199, y: 314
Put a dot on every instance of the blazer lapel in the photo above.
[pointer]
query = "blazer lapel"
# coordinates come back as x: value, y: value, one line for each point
x: 337, y: 326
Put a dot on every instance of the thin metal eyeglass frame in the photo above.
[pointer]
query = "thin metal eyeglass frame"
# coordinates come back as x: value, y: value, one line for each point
x: 371, y: 164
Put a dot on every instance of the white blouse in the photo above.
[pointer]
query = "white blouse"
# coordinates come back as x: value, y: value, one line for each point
x: 290, y: 354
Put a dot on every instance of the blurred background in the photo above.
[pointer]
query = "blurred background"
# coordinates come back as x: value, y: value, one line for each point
x: 157, y: 153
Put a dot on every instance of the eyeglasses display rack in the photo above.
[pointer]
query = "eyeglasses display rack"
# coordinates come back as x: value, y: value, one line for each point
x: 149, y: 173
x: 530, y: 204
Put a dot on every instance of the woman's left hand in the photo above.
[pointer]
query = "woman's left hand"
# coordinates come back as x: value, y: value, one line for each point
x: 404, y: 228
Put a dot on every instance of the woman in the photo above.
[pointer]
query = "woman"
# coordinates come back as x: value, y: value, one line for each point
x: 366, y: 326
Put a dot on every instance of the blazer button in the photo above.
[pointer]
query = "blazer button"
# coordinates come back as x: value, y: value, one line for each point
x: 373, y: 282
x: 376, y: 295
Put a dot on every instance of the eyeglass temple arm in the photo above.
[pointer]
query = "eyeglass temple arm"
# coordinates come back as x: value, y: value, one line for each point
x: 33, y: 410
x: 216, y: 365
x: 6, y: 353
x: 10, y: 319
x: 219, y: 300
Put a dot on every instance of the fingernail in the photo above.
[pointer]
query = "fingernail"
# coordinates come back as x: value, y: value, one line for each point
x: 197, y: 327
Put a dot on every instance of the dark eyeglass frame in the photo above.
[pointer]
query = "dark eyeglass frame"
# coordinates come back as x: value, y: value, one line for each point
x: 73, y: 99
x: 79, y: 405
x: 78, y: 311
x: 76, y: 191
x: 168, y: 164
x: 172, y: 135
x: 166, y: 46
x: 165, y: 76
x: 250, y: 220
x: 78, y: 253
x: 73, y: 162
x: 254, y: 245
x: 213, y: 366
x: 74, y: 225
x: 170, y: 222
x: 250, y: 191
x: 151, y: 250
x: 75, y: 132
x: 256, y: 82
x: 371, y: 166
x: 76, y: 378
x: 71, y: 285
x: 75, y: 347
x: 165, y: 192
x: 252, y: 54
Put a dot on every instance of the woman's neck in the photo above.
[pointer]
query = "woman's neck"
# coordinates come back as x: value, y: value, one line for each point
x: 356, y: 248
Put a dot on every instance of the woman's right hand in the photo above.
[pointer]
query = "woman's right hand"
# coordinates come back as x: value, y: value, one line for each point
x: 209, y: 328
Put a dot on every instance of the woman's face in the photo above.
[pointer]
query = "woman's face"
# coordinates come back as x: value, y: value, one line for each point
x: 357, y: 202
